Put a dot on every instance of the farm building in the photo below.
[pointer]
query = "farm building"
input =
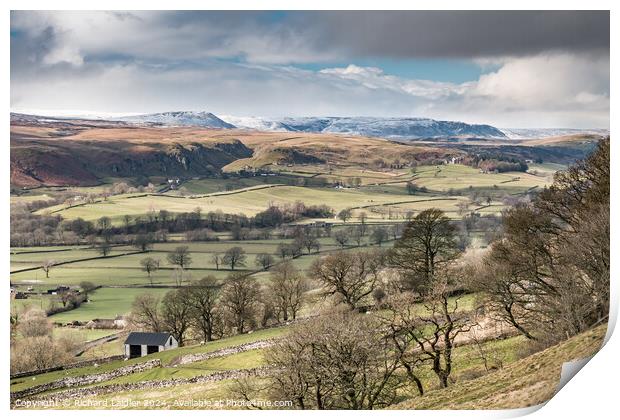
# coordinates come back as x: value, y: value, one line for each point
x: 140, y: 344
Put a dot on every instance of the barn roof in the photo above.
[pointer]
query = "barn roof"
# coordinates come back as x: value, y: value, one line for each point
x: 147, y: 338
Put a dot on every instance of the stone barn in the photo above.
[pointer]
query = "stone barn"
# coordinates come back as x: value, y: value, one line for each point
x: 140, y: 344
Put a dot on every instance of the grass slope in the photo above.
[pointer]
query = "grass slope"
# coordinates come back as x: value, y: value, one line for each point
x: 526, y: 382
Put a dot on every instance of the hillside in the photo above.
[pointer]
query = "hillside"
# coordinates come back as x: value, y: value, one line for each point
x: 180, y: 119
x: 391, y: 128
x: 79, y: 154
x: 83, y: 152
x: 526, y: 382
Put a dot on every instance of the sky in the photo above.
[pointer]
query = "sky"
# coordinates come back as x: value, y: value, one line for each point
x: 511, y: 69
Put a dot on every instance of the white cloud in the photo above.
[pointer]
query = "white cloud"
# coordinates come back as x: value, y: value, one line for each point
x: 157, y: 61
x: 559, y: 90
x: 242, y: 64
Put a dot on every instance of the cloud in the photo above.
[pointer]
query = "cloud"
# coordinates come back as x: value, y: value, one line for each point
x: 375, y: 78
x: 470, y: 34
x: 558, y: 90
x: 301, y: 37
x: 550, y: 90
x: 537, y: 68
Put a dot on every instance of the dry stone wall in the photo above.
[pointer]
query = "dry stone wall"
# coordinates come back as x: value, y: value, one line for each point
x: 76, y: 381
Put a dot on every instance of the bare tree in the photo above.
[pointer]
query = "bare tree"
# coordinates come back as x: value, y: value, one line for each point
x: 216, y: 259
x: 351, y: 276
x: 203, y: 300
x: 180, y: 276
x: 363, y: 217
x: 47, y: 266
x: 336, y: 361
x: 310, y: 242
x: 105, y: 224
x: 87, y: 287
x: 427, y: 244
x: 345, y: 214
x: 240, y: 297
x: 34, y: 323
x: 145, y: 313
x: 143, y: 242
x: 175, y: 313
x: 283, y: 250
x: 180, y: 257
x: 427, y: 334
x: 342, y: 237
x: 357, y: 235
x: 287, y: 287
x: 264, y: 260
x: 104, y: 248
x: 235, y: 257
x: 379, y: 235
x: 149, y: 265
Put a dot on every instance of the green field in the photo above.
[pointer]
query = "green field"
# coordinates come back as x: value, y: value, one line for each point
x: 125, y: 270
x: 107, y: 302
x: 379, y: 190
x: 446, y: 177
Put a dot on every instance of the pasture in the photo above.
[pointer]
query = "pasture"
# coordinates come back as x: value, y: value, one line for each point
x: 447, y: 186
x: 382, y: 196
x: 107, y: 302
x: 444, y: 178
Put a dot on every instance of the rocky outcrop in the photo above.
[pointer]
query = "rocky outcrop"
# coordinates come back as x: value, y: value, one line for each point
x: 175, y: 159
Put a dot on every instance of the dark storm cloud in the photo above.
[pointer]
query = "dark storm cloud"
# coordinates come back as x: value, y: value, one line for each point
x: 464, y: 33
x: 298, y: 37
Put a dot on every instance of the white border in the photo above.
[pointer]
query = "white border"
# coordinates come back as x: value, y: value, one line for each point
x: 593, y: 394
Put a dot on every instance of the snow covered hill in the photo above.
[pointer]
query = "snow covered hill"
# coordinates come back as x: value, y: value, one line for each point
x: 180, y: 118
x: 391, y: 128
x: 257, y: 123
x: 541, y: 133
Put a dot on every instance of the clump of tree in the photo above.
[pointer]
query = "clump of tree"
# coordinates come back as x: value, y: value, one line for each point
x: 428, y: 244
x: 424, y: 331
x: 413, y: 188
x: 240, y: 299
x: 234, y: 257
x: 340, y: 360
x: 180, y: 257
x: 286, y: 289
x: 264, y: 260
x: 200, y: 235
x: 345, y: 214
x: 495, y: 162
x: 350, y: 277
x: 205, y: 316
x: 548, y: 276
x: 276, y: 215
x: 35, y: 347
